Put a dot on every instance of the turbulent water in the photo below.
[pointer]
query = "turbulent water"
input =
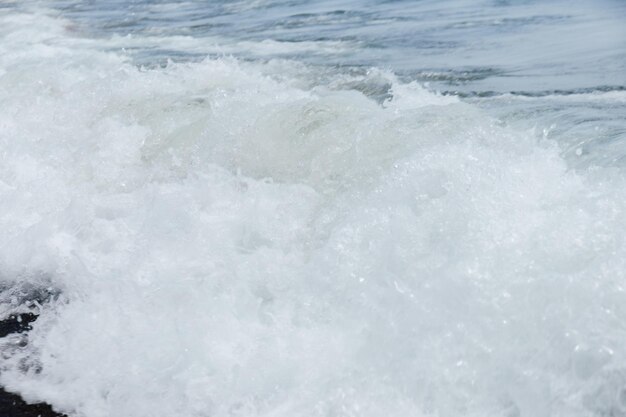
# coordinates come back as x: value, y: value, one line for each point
x: 337, y: 208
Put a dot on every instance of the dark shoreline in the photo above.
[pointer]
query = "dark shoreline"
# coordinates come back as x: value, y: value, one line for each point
x: 12, y: 405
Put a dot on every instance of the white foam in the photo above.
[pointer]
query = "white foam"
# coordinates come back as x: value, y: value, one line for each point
x: 229, y: 242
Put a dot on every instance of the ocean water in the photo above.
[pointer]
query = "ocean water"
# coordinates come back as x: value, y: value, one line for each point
x: 331, y: 208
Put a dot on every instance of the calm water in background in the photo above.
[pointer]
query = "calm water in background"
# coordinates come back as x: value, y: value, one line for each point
x: 527, y: 62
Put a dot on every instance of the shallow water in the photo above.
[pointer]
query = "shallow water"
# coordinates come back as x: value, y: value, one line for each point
x: 346, y: 209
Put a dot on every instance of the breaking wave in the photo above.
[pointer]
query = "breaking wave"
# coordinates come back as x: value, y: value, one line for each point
x: 230, y: 238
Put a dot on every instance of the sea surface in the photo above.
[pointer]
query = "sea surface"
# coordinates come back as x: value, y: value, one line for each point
x: 315, y: 208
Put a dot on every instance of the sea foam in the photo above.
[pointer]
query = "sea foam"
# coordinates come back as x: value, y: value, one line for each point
x: 229, y: 238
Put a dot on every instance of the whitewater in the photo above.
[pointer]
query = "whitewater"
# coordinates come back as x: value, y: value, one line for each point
x: 231, y: 236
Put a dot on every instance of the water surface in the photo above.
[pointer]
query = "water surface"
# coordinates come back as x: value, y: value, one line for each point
x: 290, y: 208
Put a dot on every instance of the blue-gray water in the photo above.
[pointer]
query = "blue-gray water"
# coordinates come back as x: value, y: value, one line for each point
x: 319, y: 209
x: 515, y: 58
x: 474, y: 47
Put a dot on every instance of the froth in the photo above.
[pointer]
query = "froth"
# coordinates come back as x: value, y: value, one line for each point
x: 234, y: 238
